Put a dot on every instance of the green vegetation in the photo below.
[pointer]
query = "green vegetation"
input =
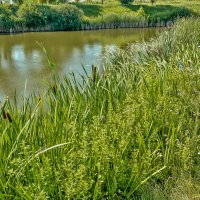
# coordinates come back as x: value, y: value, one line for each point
x: 55, y: 17
x: 59, y: 17
x: 161, y: 8
x: 44, y: 17
x: 130, y: 132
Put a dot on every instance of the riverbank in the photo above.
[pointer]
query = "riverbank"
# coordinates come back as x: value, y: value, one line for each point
x: 129, y: 133
x: 93, y: 26
x: 79, y: 16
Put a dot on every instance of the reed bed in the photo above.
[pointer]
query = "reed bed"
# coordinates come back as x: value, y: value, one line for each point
x: 131, y: 132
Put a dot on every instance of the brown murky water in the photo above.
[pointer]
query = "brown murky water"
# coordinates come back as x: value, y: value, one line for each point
x: 23, y: 60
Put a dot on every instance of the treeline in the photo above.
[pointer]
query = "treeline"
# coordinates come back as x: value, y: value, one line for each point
x: 38, y: 17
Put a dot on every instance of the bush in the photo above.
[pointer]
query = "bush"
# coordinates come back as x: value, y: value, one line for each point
x: 7, y: 22
x: 34, y: 15
x: 5, y: 9
x: 61, y: 17
x: 7, y: 18
x: 66, y: 17
x: 182, y: 12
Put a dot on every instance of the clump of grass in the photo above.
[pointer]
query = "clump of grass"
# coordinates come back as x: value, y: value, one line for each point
x: 113, y: 20
x: 131, y: 132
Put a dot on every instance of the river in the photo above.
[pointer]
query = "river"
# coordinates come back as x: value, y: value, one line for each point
x: 23, y: 60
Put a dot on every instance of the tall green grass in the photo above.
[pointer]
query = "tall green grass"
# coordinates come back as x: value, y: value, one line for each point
x: 129, y: 132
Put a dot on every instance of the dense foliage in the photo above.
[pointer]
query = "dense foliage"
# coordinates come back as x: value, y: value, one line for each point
x: 61, y: 17
x: 34, y: 15
x: 131, y: 132
x: 5, y: 9
x: 58, y: 17
x: 67, y: 17
x: 41, y: 17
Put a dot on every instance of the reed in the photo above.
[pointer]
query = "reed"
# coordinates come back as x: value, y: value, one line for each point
x: 131, y: 132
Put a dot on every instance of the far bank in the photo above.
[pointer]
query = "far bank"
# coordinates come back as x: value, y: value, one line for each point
x: 81, y: 16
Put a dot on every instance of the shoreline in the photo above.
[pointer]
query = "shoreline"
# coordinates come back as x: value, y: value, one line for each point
x: 92, y: 27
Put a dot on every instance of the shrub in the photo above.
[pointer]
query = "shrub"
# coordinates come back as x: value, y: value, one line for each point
x: 182, y: 12
x: 5, y: 9
x: 7, y: 22
x: 34, y: 15
x: 66, y: 17
x: 7, y: 18
x: 14, y: 8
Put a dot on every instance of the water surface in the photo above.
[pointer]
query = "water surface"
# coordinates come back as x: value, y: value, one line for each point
x: 23, y: 60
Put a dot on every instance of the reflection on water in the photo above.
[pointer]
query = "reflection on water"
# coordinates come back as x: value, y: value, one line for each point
x: 21, y: 58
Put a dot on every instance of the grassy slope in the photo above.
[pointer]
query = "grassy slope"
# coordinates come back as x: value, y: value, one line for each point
x: 162, y: 8
x: 112, y: 138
